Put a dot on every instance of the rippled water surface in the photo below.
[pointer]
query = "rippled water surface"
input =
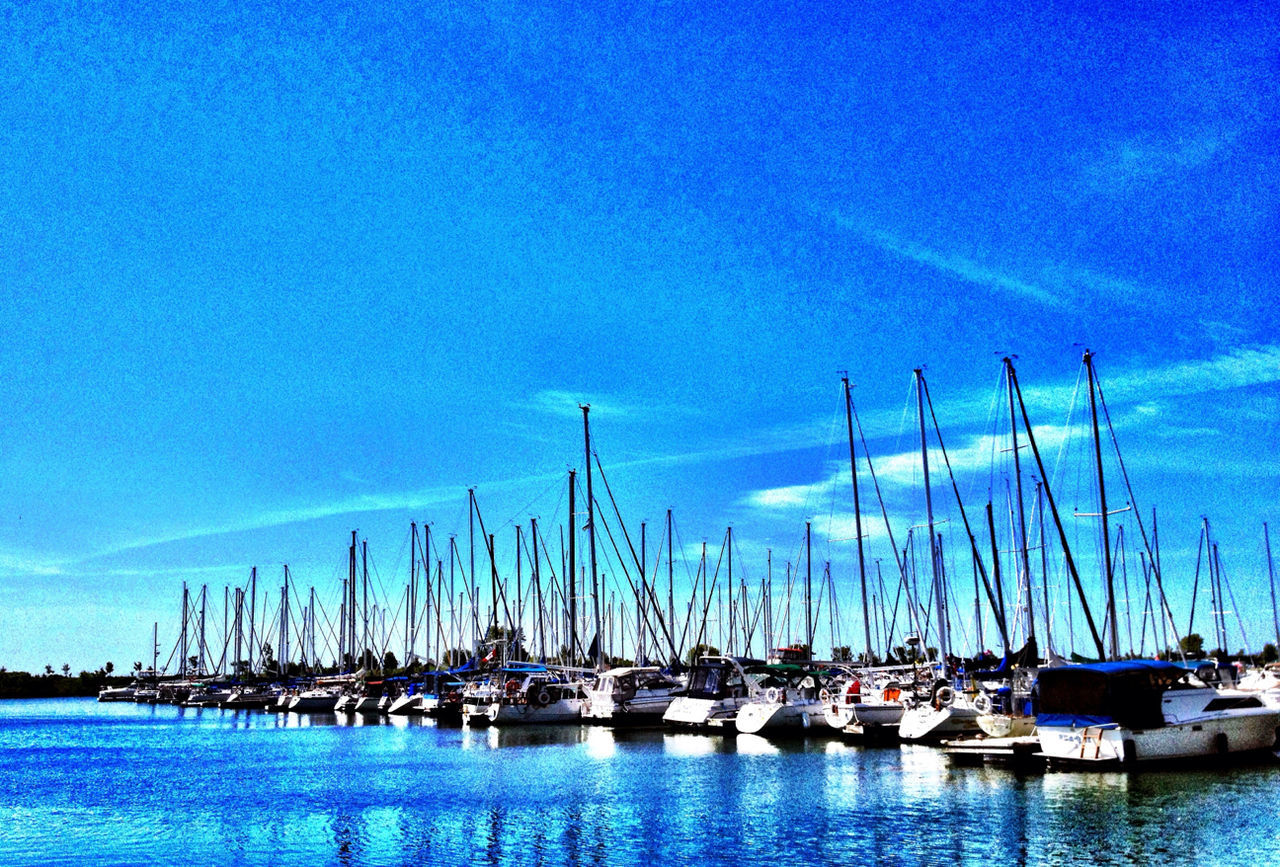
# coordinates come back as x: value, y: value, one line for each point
x: 82, y: 782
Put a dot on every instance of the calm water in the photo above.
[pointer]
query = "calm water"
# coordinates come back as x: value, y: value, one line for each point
x: 82, y: 782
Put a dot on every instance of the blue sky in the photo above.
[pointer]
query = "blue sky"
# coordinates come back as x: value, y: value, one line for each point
x: 271, y: 273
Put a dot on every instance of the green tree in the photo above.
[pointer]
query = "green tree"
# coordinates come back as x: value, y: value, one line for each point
x: 389, y: 661
x: 1269, y: 653
x: 700, y: 650
x: 1192, y: 645
x: 109, y: 667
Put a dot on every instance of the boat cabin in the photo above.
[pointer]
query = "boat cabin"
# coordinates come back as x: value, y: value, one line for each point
x: 1128, y: 692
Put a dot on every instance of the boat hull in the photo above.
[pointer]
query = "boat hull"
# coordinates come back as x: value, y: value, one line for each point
x: 1110, y: 743
x: 765, y: 718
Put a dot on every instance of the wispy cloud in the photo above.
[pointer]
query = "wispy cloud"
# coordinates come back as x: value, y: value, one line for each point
x: 1053, y: 284
x: 562, y: 403
x: 1142, y: 159
x: 966, y: 269
x: 16, y: 562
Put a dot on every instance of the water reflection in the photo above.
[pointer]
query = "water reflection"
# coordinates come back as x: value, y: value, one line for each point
x: 304, y: 789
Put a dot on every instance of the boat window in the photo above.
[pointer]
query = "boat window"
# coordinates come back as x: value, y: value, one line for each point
x: 1233, y: 702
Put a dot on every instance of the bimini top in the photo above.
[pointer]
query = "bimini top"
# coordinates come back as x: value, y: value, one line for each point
x: 1124, y: 666
x: 1127, y: 692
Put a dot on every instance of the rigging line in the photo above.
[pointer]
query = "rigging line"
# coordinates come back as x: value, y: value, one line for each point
x: 555, y: 483
x: 992, y: 435
x: 1057, y: 520
x: 829, y: 481
x: 1132, y: 499
x: 973, y: 542
x: 635, y: 558
x: 879, y: 495
x: 1232, y: 595
x: 710, y: 593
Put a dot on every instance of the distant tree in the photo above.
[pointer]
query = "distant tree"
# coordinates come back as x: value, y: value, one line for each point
x: 109, y: 667
x: 701, y: 650
x: 48, y: 670
x: 841, y: 654
x: 1192, y: 645
x: 389, y: 661
x: 137, y: 666
x: 1269, y: 653
x: 455, y: 657
x: 66, y: 669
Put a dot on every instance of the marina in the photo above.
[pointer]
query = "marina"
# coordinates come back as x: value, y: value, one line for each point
x: 657, y: 434
x: 142, y: 783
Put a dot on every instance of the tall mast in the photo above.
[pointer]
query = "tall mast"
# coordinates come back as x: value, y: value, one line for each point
x: 808, y: 587
x: 1114, y: 627
x: 253, y: 605
x: 537, y: 588
x: 351, y: 607
x: 1271, y: 577
x: 591, y: 533
x: 642, y: 601
x: 944, y: 648
x: 410, y: 608
x: 365, y: 648
x: 182, y: 660
x: 1044, y: 571
x: 732, y: 612
x: 204, y: 599
x: 518, y: 630
x: 857, y: 516
x: 671, y: 591
x: 283, y: 656
x: 1022, y: 515
x: 571, y: 579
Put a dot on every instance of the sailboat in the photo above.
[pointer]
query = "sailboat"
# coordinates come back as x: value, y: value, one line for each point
x: 793, y: 699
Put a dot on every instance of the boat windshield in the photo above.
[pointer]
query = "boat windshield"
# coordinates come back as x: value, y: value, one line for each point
x: 713, y: 680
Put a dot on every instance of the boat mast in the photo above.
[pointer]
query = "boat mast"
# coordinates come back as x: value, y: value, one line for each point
x: 253, y: 605
x: 1022, y: 515
x: 1271, y: 577
x: 671, y: 593
x: 944, y: 648
x: 808, y: 587
x: 410, y: 609
x: 591, y: 534
x: 1113, y: 632
x: 571, y: 579
x: 642, y: 602
x: 857, y: 515
x: 182, y: 659
x: 537, y: 588
x: 364, y: 586
x: 729, y: 544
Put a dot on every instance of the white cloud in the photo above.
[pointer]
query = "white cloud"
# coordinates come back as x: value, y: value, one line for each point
x: 966, y: 269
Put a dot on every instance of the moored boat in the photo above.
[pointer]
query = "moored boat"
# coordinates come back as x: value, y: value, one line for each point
x: 718, y: 687
x: 630, y: 696
x: 1143, y: 710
